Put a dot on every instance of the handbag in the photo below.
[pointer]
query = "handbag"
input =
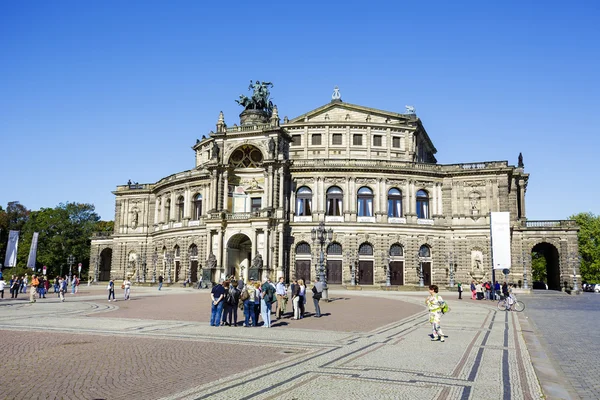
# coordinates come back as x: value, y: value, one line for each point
x: 245, y: 295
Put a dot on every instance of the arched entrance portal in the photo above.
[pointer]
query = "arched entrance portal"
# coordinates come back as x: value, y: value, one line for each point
x: 239, y: 257
x: 548, y: 253
x: 105, y: 264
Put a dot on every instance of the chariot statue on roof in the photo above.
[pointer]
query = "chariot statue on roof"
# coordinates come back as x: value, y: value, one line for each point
x: 259, y: 99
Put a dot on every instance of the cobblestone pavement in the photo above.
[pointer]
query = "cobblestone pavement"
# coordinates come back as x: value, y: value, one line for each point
x: 568, y: 329
x: 116, y: 350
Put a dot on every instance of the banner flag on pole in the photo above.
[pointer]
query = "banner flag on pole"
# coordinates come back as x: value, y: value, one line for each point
x: 33, y: 251
x: 11, y: 251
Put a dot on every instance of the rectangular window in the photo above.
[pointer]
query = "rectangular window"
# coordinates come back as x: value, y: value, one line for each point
x: 256, y: 204
x: 336, y: 139
x: 316, y: 139
x: 377, y: 140
x: 357, y: 140
x: 396, y: 142
x: 296, y: 140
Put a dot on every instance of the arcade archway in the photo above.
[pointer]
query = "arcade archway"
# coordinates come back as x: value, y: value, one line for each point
x: 552, y: 259
x: 105, y: 264
x: 239, y: 257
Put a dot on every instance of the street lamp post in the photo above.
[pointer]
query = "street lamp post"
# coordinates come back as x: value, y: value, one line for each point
x: 144, y: 267
x: 576, y: 262
x: 169, y: 258
x: 154, y: 262
x: 451, y: 268
x: 524, y: 259
x: 70, y: 261
x: 322, y: 236
x: 420, y: 271
x: 386, y: 259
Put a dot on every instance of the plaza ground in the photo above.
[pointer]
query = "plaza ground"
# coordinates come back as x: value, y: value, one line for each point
x: 369, y: 344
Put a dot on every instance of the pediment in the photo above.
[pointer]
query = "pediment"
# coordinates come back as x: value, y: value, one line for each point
x: 337, y: 111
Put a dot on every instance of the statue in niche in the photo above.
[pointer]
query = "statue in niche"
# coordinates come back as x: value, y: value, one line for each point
x: 254, y: 184
x: 272, y: 147
x: 215, y: 151
x: 134, y: 219
x: 211, y: 262
x: 257, y: 262
x: 477, y: 271
x: 282, y: 147
x: 474, y: 198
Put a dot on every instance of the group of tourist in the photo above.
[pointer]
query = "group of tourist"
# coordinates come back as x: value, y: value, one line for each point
x: 38, y: 286
x: 256, y: 299
x: 485, y: 290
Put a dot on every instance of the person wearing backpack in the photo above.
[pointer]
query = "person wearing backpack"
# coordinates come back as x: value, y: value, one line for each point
x: 434, y: 303
x: 317, y: 293
x: 62, y: 288
x: 226, y: 303
x: 268, y: 298
x: 232, y: 300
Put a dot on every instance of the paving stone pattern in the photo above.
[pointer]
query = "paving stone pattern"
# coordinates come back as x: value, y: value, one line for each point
x: 569, y: 329
x: 372, y: 345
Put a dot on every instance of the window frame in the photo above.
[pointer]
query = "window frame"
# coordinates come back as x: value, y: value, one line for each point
x: 334, y: 199
x: 335, y: 136
x: 304, y: 197
x: 422, y: 204
x: 378, y: 138
x: 316, y: 136
x: 364, y: 202
x: 356, y: 136
x: 394, y: 202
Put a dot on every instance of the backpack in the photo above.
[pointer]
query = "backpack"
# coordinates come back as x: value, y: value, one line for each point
x: 245, y: 295
x: 444, y: 307
x: 230, y: 299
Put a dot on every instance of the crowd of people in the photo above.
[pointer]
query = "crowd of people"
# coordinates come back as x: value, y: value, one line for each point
x: 39, y: 286
x: 256, y: 300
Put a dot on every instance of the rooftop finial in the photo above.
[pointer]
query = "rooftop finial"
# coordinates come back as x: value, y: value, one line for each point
x: 410, y: 110
x: 336, y: 96
x: 275, y: 117
x: 221, y: 123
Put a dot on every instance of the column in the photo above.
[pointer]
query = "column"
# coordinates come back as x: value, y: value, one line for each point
x: 225, y: 193
x: 523, y: 190
x: 187, y: 203
x: 269, y: 186
x: 280, y: 260
x: 406, y: 199
x: 155, y: 211
x: 280, y: 202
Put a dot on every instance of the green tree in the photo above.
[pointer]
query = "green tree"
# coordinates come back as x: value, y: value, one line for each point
x: 538, y: 267
x: 64, y: 230
x: 589, y: 245
x: 13, y: 218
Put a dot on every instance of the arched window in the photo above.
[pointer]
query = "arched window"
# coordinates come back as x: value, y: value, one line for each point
x: 177, y: 251
x: 424, y: 251
x: 335, y: 195
x: 180, y: 204
x: 246, y: 156
x: 304, y: 201
x: 422, y: 204
x: 193, y: 250
x: 303, y: 248
x: 365, y: 202
x: 396, y: 250
x: 334, y: 249
x: 365, y: 249
x: 394, y: 203
x: 197, y: 206
x: 167, y: 210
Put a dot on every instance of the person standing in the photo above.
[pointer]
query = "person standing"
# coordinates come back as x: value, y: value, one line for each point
x: 15, y: 285
x: 233, y: 300
x: 257, y: 299
x: 248, y: 297
x: 2, y: 286
x: 111, y: 289
x: 473, y: 291
x: 226, y: 303
x: 317, y: 293
x: 217, y: 295
x: 35, y: 282
x: 24, y: 282
x: 460, y: 290
x: 62, y: 288
x: 127, y: 287
x: 160, y: 282
x: 497, y: 290
x: 268, y: 298
x: 434, y: 304
x: 302, y: 295
x: 73, y: 283
x: 280, y: 291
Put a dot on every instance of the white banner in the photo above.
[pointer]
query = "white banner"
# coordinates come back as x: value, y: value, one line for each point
x: 33, y: 251
x: 500, y: 235
x: 11, y: 251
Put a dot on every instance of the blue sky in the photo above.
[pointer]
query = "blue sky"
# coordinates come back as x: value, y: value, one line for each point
x: 95, y: 93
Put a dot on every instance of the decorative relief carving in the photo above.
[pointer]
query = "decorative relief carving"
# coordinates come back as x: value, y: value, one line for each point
x: 304, y: 181
x: 395, y: 181
x: 335, y: 180
x: 364, y: 181
x: 423, y: 184
x: 473, y: 183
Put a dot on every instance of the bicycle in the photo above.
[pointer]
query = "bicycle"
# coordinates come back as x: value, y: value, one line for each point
x: 515, y: 306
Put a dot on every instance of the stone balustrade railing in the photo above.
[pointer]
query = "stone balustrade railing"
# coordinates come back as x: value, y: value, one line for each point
x: 564, y: 223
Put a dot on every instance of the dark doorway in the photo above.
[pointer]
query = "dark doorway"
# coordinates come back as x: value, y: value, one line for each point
x: 105, y: 264
x: 334, y: 272
x: 194, y: 271
x: 177, y: 271
x: 550, y: 254
x: 427, y: 273
x: 303, y: 269
x: 397, y: 273
x: 365, y: 272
